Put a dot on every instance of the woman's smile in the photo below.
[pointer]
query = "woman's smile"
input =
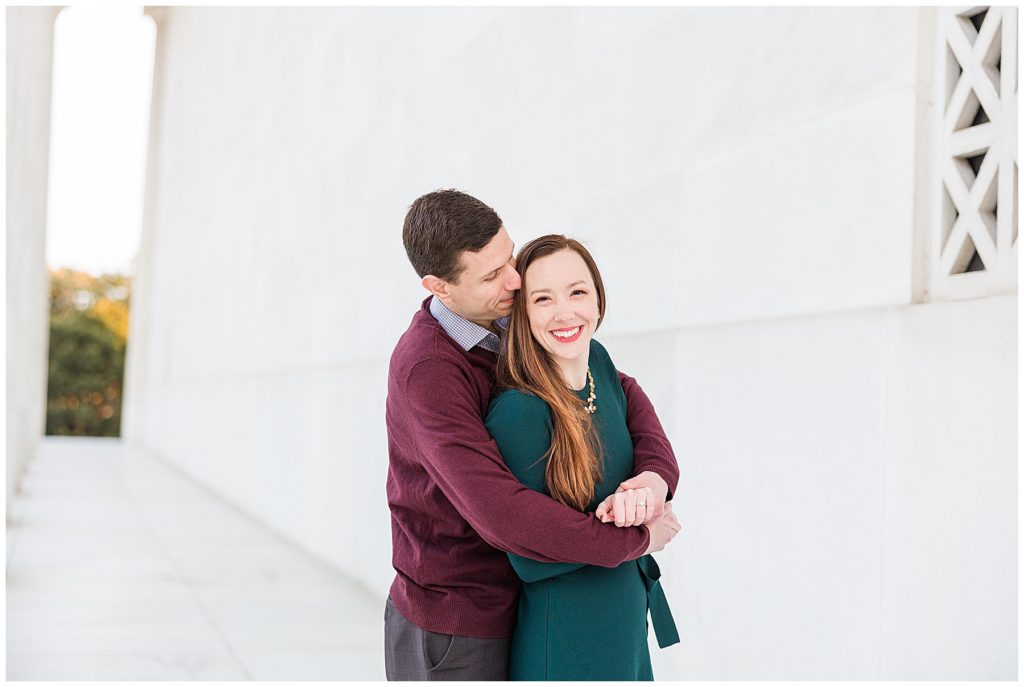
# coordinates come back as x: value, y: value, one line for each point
x: 567, y: 335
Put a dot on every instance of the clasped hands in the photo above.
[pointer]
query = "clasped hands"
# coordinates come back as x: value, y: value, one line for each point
x: 638, y: 501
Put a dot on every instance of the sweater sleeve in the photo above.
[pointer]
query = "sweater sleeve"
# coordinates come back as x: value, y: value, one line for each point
x: 521, y: 426
x: 651, y: 448
x: 463, y: 460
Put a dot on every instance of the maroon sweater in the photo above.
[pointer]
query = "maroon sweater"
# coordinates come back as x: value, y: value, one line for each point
x: 456, y: 508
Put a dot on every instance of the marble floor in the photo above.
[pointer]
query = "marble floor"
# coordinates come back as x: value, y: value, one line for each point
x: 120, y: 568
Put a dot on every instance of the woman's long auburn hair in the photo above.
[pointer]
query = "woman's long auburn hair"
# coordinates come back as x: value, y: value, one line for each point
x: 575, y: 457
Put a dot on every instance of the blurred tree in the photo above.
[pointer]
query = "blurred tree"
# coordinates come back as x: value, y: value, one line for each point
x: 88, y: 333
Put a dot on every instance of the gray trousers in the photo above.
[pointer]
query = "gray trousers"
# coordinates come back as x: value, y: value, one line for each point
x: 412, y: 653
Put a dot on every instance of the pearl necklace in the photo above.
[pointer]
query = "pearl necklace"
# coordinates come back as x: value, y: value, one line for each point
x: 590, y: 407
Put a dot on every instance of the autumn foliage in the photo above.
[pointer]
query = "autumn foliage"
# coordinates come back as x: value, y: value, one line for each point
x: 88, y: 331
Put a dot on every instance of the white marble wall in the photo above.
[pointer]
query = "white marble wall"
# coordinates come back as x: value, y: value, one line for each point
x: 29, y: 60
x: 848, y: 492
x: 745, y: 178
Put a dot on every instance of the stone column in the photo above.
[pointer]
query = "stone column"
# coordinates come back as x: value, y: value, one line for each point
x: 29, y: 71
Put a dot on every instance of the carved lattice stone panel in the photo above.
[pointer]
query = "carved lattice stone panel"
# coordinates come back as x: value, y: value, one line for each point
x: 973, y: 247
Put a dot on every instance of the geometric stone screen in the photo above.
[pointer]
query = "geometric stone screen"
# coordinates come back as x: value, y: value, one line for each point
x: 973, y: 242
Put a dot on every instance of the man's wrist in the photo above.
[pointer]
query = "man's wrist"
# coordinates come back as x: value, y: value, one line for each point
x: 664, y: 478
x: 647, y: 539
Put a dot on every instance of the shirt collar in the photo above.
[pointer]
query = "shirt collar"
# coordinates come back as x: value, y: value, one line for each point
x: 465, y: 333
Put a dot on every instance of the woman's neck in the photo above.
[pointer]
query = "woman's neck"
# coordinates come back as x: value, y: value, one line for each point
x: 574, y: 372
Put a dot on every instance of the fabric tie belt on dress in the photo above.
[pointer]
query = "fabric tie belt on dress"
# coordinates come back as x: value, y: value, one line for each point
x: 661, y: 615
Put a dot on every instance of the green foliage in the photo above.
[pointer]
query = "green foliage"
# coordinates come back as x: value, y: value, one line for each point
x: 88, y: 329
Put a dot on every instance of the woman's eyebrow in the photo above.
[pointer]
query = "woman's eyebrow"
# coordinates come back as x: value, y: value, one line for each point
x: 575, y: 283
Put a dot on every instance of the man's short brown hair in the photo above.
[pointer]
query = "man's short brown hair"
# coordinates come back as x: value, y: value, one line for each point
x: 442, y: 224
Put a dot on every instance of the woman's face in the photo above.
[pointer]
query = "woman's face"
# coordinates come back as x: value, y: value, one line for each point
x: 561, y: 304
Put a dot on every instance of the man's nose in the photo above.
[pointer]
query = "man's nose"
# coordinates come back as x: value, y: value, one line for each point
x: 514, y: 280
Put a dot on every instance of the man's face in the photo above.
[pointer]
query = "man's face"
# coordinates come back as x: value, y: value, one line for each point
x: 488, y: 282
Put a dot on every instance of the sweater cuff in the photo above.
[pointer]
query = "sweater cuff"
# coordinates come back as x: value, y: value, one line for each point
x: 661, y: 472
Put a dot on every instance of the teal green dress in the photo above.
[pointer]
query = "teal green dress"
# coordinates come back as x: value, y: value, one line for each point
x: 577, y: 621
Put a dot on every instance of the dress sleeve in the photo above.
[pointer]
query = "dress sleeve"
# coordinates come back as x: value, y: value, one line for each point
x: 521, y: 426
x: 651, y: 448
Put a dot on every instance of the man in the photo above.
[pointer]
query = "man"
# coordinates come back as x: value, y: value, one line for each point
x: 455, y: 508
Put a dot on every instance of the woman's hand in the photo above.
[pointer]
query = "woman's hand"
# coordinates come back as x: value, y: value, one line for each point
x: 657, y: 484
x: 628, y: 507
x: 617, y: 507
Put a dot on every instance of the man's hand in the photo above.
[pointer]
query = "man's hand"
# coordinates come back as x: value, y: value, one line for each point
x: 662, y: 530
x: 623, y: 507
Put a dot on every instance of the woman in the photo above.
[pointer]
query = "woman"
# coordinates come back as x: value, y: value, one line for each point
x: 560, y: 424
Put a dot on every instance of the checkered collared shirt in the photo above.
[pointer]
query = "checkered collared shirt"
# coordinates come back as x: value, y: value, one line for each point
x: 465, y: 333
